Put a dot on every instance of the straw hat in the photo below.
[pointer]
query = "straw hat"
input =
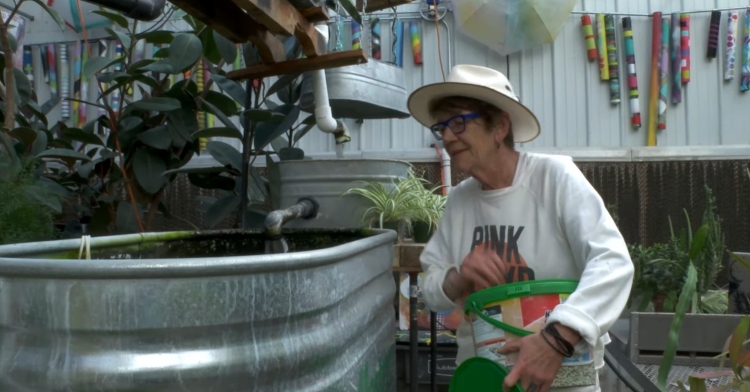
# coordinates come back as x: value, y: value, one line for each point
x: 481, y: 83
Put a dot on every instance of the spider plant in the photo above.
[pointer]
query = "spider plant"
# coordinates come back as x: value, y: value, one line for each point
x: 407, y: 201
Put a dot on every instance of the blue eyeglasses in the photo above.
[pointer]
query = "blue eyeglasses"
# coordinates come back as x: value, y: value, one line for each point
x: 456, y: 124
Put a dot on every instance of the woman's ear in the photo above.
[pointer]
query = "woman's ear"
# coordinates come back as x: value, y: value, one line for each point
x: 502, y: 128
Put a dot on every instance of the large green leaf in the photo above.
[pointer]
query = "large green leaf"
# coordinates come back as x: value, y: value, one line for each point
x: 158, y: 138
x: 210, y: 108
x: 218, y: 132
x: 265, y: 133
x: 686, y: 295
x: 25, y: 135
x: 257, y: 189
x: 156, y: 104
x: 126, y: 218
x: 184, y: 51
x: 149, y: 166
x: 210, y: 50
x: 64, y: 154
x: 263, y: 115
x: 96, y: 64
x: 82, y: 136
x: 226, y: 48
x: 123, y: 38
x: 212, y: 181
x: 42, y: 196
x: 221, y: 209
x: 159, y: 37
x: 230, y: 87
x: 225, y: 154
x: 23, y: 87
x: 183, y: 122
x: 222, y: 102
x: 283, y: 82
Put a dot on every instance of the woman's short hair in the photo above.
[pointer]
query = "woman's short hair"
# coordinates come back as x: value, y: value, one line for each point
x: 491, y: 114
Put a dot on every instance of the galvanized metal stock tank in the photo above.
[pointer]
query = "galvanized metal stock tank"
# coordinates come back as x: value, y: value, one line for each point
x: 326, y: 180
x: 372, y: 90
x: 191, y: 311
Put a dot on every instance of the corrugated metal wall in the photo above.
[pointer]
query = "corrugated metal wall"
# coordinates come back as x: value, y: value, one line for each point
x: 563, y: 87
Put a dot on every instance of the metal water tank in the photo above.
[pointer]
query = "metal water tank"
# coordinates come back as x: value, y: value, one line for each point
x: 199, y: 311
x: 326, y: 180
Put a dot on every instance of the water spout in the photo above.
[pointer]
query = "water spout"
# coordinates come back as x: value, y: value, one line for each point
x: 306, y: 208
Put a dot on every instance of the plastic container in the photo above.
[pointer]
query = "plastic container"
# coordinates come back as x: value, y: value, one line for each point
x: 480, y: 375
x: 509, y: 312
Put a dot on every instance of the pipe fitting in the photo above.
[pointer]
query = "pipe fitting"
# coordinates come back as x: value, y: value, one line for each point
x: 306, y: 208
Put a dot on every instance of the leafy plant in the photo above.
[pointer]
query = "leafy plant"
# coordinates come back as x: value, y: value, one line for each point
x: 408, y: 201
x: 23, y: 218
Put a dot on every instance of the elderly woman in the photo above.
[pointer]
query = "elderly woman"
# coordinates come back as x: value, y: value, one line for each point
x: 520, y: 216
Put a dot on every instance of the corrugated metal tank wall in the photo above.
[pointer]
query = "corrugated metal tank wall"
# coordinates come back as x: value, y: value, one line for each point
x: 563, y: 87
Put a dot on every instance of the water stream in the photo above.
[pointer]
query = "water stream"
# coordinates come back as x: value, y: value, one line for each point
x: 276, y: 246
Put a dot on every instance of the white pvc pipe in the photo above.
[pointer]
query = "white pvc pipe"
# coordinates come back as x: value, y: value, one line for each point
x: 323, y: 115
x: 446, y: 161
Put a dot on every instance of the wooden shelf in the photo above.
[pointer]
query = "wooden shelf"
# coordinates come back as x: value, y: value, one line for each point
x: 326, y: 61
x: 262, y: 22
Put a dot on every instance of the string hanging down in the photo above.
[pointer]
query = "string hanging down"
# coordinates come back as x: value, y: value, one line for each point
x: 650, y: 15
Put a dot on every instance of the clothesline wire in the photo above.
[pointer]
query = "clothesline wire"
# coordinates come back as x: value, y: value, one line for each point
x: 649, y: 15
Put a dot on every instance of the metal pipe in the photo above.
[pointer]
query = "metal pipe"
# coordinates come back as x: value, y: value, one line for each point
x: 305, y: 208
x: 143, y: 10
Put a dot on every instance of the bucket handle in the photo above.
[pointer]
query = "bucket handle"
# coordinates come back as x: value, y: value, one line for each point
x: 474, y: 307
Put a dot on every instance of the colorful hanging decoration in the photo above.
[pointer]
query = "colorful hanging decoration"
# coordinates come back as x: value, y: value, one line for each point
x: 733, y: 18
x: 685, y: 46
x: 45, y: 63
x: 745, y: 80
x: 356, y: 35
x: 588, y: 37
x: 82, y: 108
x: 52, y: 60
x: 601, y: 43
x: 653, y: 103
x: 399, y: 43
x: 201, y: 115
x: 614, y: 67
x: 64, y: 81
x: 664, y: 74
x: 676, y: 58
x: 76, y: 82
x: 416, y: 42
x: 28, y: 68
x: 629, y: 48
x: 713, y: 34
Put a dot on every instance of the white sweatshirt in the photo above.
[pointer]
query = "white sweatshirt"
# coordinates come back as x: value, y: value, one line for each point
x: 558, y: 224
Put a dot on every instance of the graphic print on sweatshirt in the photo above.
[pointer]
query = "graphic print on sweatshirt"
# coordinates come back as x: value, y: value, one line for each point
x: 504, y: 239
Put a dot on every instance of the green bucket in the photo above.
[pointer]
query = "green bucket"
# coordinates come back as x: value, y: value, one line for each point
x: 549, y: 289
x: 480, y: 375
x: 511, y: 311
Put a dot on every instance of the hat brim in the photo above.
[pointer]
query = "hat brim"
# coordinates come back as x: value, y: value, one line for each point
x: 525, y: 124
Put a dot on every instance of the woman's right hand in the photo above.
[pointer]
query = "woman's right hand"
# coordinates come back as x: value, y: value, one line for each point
x: 483, y: 268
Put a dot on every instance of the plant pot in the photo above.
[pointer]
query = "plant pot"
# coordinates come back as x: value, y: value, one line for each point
x: 212, y: 308
x: 422, y: 232
x: 702, y: 337
x: 326, y: 180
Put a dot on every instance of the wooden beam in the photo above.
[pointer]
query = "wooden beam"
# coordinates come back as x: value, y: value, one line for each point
x: 281, y: 17
x: 326, y: 61
x: 315, y: 14
x: 233, y: 23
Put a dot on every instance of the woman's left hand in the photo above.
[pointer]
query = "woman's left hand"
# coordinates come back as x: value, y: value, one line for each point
x: 536, y: 366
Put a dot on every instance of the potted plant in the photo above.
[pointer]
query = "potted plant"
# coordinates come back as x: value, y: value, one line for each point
x: 686, y: 322
x: 407, y: 207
